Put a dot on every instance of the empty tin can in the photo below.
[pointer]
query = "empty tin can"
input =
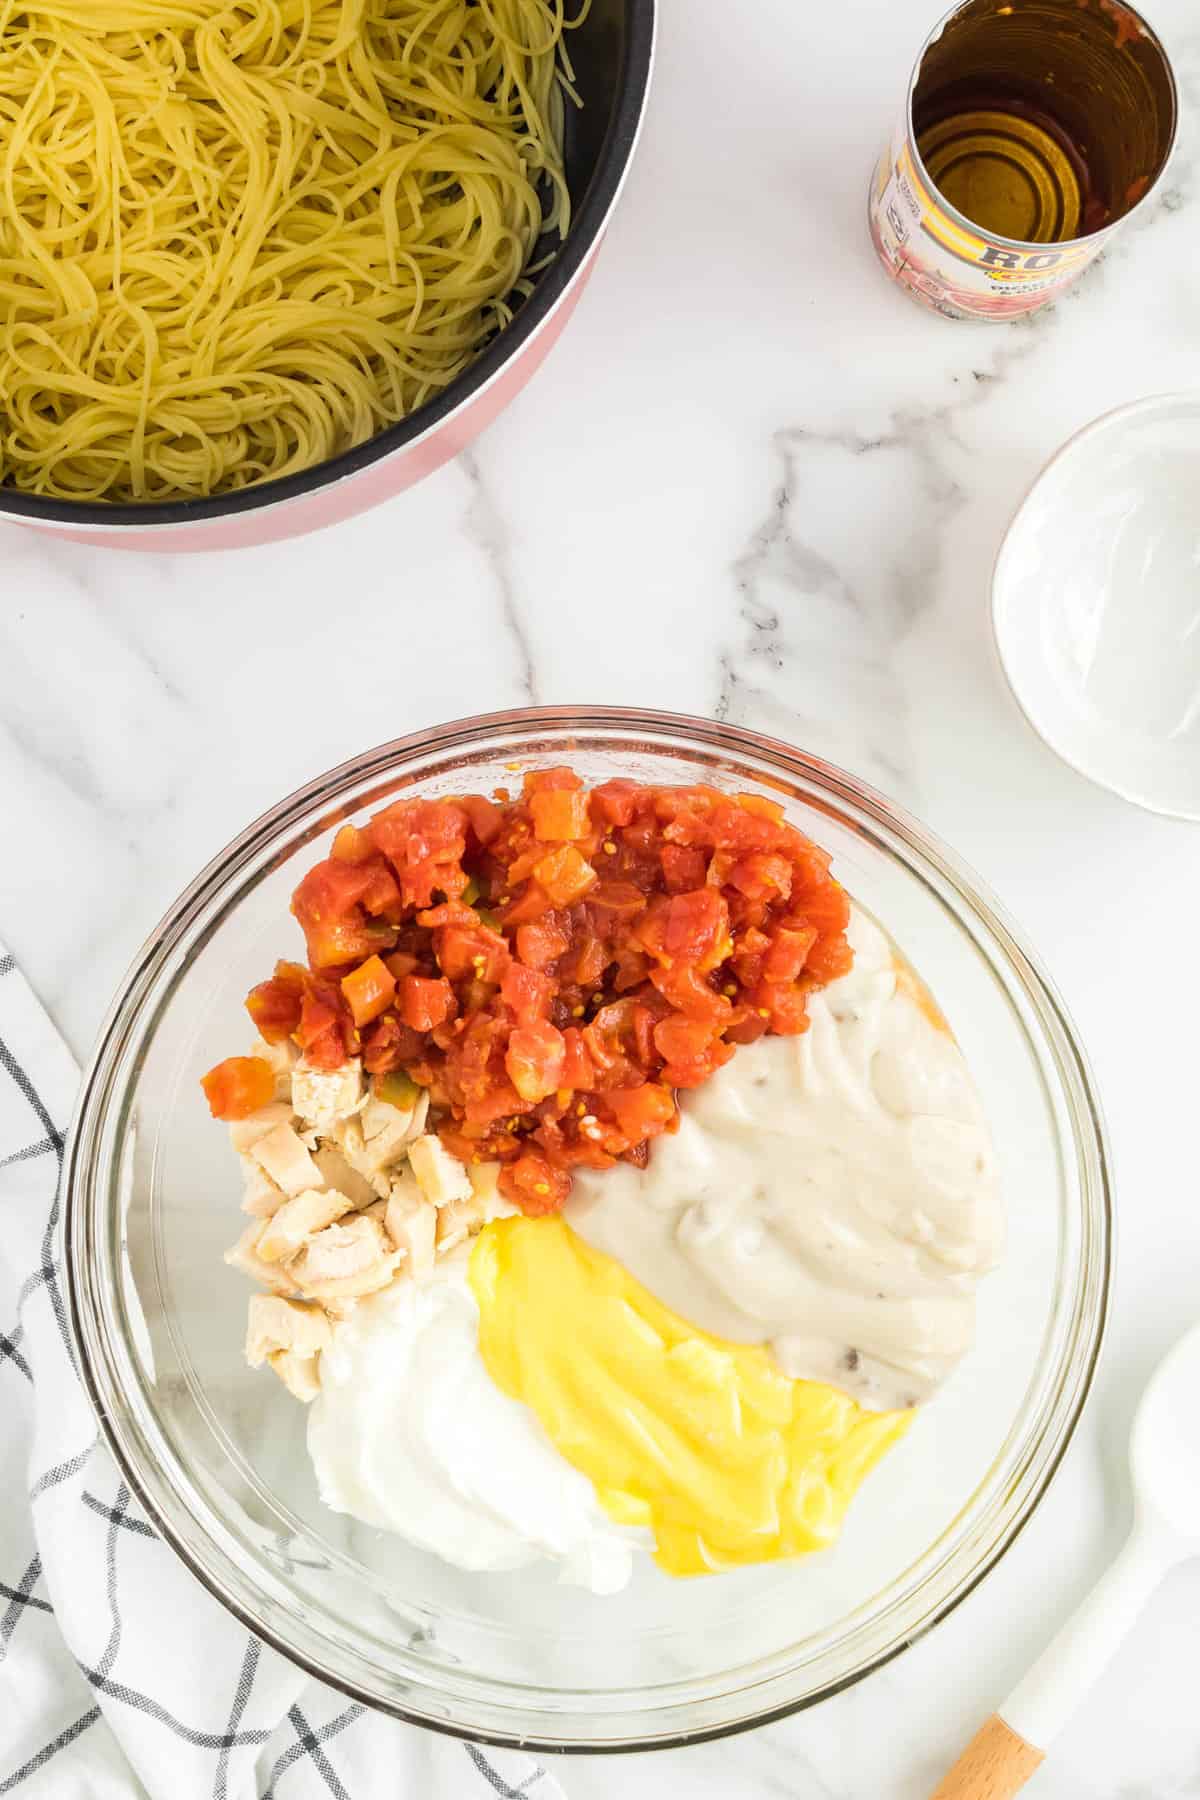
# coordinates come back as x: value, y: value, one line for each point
x: 1033, y: 130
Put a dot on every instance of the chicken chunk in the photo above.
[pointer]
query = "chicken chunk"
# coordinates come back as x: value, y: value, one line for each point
x: 411, y: 1223
x: 457, y: 1221
x: 485, y: 1185
x: 351, y: 1145
x: 375, y: 1139
x: 336, y: 1172
x: 300, y: 1375
x: 442, y: 1177
x: 273, y: 1324
x: 339, y: 1309
x: 324, y: 1097
x: 245, y: 1133
x: 345, y: 1261
x: 286, y: 1160
x: 281, y: 1058
x: 260, y: 1196
x: 386, y: 1130
x: 379, y: 1114
x: 298, y: 1220
x: 245, y: 1258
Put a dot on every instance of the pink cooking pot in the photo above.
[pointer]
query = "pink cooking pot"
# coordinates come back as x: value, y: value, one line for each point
x: 612, y: 52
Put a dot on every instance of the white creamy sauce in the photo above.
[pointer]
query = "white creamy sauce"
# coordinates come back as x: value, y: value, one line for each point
x: 409, y: 1433
x: 832, y: 1194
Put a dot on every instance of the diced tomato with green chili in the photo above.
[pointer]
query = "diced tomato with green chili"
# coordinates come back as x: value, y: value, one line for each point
x: 684, y: 866
x: 330, y: 905
x: 578, y: 1070
x: 466, y: 952
x: 642, y: 1111
x: 484, y: 817
x: 527, y: 991
x: 368, y: 990
x: 401, y: 963
x: 785, y: 1008
x: 352, y: 845
x: 557, y: 780
x: 390, y: 1044
x: 543, y: 940
x: 425, y: 841
x: 828, y: 960
x: 564, y: 875
x: 535, y: 1184
x: 696, y: 929
x: 787, y: 953
x: 274, y: 1005
x: 426, y: 1003
x: 534, y: 1059
x: 592, y: 956
x: 615, y: 802
x: 764, y: 874
x: 553, y: 967
x: 688, y: 991
x: 326, y: 1032
x: 239, y: 1086
x: 560, y: 815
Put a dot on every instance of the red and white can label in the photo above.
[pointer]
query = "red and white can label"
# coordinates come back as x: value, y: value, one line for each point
x: 947, y: 263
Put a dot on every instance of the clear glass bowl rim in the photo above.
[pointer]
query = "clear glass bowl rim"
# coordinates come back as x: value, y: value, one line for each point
x: 311, y: 810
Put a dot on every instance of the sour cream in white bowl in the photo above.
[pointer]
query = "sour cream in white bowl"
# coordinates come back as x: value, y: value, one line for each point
x: 1096, y: 603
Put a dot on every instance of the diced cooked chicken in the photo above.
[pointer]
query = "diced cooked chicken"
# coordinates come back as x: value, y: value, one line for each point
x: 345, y: 1261
x: 378, y: 1115
x: 281, y: 1057
x: 376, y: 1138
x: 411, y: 1223
x: 273, y: 1324
x: 324, y: 1097
x: 299, y: 1374
x: 420, y: 1113
x: 245, y: 1133
x: 336, y: 1172
x: 350, y: 1143
x: 286, y: 1160
x: 260, y: 1196
x: 457, y: 1221
x: 442, y: 1177
x: 386, y: 1131
x: 245, y: 1258
x: 298, y: 1220
x: 485, y: 1185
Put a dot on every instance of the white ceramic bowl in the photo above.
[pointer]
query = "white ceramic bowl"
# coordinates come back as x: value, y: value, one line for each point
x: 1096, y: 603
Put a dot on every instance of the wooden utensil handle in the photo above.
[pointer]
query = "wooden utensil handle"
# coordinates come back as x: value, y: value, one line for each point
x: 995, y: 1765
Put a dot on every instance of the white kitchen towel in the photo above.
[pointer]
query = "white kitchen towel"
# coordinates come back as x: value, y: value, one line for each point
x: 119, y: 1674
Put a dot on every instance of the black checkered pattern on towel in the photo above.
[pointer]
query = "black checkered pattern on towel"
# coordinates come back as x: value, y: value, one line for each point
x: 115, y: 1666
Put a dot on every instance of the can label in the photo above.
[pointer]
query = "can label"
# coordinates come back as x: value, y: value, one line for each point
x: 952, y: 266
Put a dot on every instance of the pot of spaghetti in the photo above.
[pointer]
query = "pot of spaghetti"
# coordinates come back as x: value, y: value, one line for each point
x: 264, y: 265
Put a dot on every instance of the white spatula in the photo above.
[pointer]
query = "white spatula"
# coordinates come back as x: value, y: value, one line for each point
x: 1165, y: 1460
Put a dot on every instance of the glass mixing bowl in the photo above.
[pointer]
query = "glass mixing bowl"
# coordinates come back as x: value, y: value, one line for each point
x: 216, y: 1451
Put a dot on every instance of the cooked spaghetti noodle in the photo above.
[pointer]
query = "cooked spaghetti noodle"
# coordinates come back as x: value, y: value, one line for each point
x: 239, y: 236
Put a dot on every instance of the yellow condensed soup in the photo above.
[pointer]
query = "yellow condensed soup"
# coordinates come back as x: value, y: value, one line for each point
x: 708, y: 1443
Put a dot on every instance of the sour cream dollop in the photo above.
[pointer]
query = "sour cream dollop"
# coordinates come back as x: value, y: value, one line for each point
x: 410, y: 1433
x: 833, y: 1195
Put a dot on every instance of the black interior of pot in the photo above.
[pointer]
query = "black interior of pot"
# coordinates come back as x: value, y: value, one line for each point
x: 610, y: 54
x: 597, y: 51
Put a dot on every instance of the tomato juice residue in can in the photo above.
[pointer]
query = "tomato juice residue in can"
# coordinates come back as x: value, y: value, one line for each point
x: 1033, y: 130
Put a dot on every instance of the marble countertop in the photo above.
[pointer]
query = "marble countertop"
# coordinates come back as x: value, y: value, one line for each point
x: 753, y: 481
